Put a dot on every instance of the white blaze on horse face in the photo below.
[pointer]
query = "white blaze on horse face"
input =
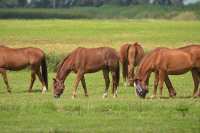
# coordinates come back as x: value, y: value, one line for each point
x: 134, y: 84
x: 44, y: 89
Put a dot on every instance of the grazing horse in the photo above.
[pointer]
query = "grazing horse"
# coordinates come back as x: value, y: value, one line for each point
x: 15, y: 59
x: 88, y: 60
x: 164, y: 62
x: 130, y: 56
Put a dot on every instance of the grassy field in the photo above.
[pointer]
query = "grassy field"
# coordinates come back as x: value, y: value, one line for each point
x: 33, y: 112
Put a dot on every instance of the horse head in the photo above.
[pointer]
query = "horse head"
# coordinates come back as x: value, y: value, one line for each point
x: 141, y: 88
x: 58, y: 87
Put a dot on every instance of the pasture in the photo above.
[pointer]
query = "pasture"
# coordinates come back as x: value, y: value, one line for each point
x: 33, y: 112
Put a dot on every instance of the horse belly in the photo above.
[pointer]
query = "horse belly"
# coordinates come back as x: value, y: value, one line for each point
x: 93, y: 68
x: 16, y: 65
x: 177, y: 69
x: 179, y: 63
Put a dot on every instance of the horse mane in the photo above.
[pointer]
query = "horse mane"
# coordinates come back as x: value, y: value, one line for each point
x: 62, y: 62
x: 3, y: 46
x: 187, y: 46
x: 147, y: 55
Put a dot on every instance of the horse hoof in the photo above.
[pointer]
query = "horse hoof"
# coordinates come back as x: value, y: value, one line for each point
x: 115, y: 96
x: 86, y: 95
x: 105, y: 96
x: 73, y: 96
x: 172, y: 96
x: 195, y: 96
x: 125, y: 84
x: 153, y: 96
x: 43, y: 92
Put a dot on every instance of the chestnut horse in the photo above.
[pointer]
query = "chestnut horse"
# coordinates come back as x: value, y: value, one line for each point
x: 15, y: 59
x: 164, y: 62
x: 130, y: 56
x: 88, y: 60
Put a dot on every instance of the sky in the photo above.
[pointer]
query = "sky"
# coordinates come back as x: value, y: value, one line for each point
x: 190, y: 1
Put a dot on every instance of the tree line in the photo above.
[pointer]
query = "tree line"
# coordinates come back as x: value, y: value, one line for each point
x: 71, y: 3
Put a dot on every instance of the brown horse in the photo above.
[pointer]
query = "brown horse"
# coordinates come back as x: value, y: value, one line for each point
x: 88, y: 60
x: 130, y: 56
x: 164, y: 62
x: 19, y: 58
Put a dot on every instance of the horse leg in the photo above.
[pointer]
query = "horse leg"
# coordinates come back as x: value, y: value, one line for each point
x: 84, y: 86
x: 171, y: 90
x: 32, y: 81
x: 107, y: 82
x: 44, y: 89
x: 114, y: 84
x: 4, y: 75
x: 155, y: 84
x: 131, y: 74
x: 162, y: 76
x: 196, y: 82
x: 124, y: 73
x: 78, y: 78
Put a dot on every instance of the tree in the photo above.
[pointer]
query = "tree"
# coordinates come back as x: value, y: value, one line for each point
x: 168, y: 2
x: 22, y: 3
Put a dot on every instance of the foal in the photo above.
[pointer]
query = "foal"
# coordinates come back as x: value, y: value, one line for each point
x: 88, y: 60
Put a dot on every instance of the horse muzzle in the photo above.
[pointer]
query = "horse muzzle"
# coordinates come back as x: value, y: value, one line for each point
x: 56, y: 96
x: 140, y: 91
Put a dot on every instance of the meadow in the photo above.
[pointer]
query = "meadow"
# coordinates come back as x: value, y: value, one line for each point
x: 21, y: 111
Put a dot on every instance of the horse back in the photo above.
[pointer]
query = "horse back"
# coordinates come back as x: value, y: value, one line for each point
x: 19, y: 58
x: 194, y: 51
x: 92, y: 59
x: 173, y: 61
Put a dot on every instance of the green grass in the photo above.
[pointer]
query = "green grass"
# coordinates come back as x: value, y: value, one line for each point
x: 69, y: 34
x: 24, y: 112
x: 33, y: 112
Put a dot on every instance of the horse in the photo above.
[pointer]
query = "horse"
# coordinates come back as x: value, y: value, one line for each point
x: 130, y: 57
x: 164, y: 62
x: 15, y: 59
x: 88, y: 60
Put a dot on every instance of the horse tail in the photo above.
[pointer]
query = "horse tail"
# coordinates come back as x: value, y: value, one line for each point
x: 139, y: 53
x: 118, y: 73
x: 44, y: 71
x: 124, y: 59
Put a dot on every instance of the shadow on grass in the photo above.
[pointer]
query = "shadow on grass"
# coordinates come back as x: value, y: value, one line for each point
x: 177, y: 97
x: 33, y: 91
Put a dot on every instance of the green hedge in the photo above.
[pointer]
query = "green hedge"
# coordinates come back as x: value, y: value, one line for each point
x: 53, y: 60
x: 40, y: 14
x: 107, y: 11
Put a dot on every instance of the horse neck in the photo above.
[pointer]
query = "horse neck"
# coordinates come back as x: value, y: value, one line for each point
x: 64, y: 70
x: 144, y: 71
